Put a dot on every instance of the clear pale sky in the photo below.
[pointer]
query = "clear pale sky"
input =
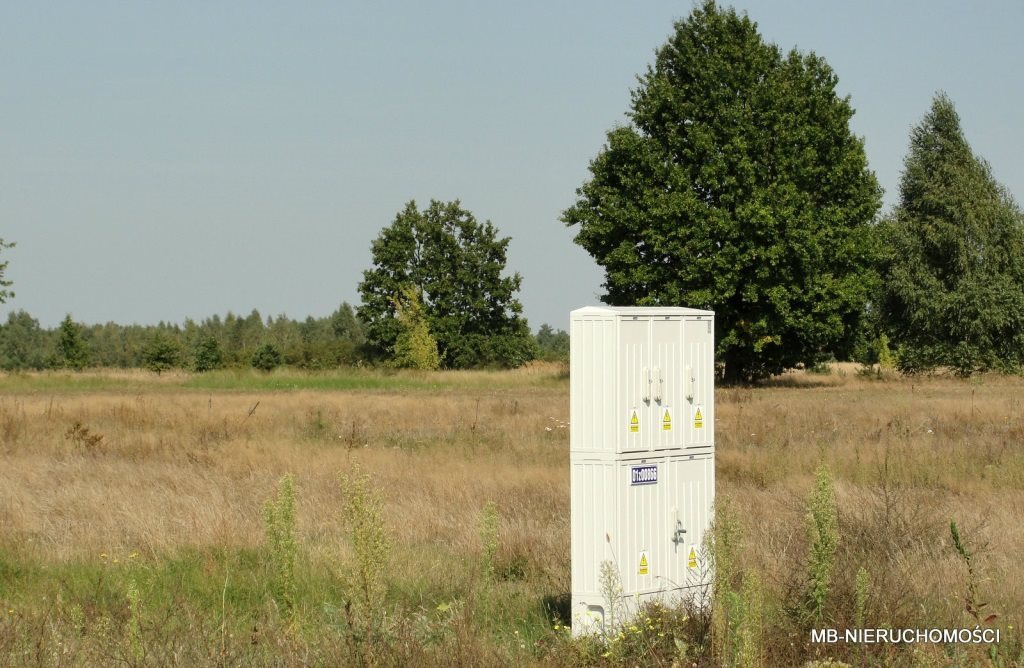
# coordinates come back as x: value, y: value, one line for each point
x: 163, y: 161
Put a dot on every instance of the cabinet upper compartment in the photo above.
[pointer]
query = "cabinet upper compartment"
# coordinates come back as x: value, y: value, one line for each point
x: 641, y: 379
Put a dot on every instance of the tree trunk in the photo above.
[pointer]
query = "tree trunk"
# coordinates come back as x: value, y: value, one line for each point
x: 735, y: 370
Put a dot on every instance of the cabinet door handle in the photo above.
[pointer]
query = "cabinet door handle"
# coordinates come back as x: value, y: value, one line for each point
x: 661, y: 382
x: 646, y: 381
x: 689, y: 382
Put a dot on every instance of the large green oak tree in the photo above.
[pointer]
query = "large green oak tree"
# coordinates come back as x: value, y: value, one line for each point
x: 737, y: 186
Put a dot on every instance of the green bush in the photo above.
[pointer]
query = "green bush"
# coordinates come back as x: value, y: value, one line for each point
x: 279, y: 523
x: 207, y: 355
x: 266, y: 358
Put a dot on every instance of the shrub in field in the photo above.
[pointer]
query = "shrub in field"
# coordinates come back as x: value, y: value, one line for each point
x: 749, y: 623
x: 266, y: 358
x: 371, y: 547
x: 279, y: 522
x: 207, y: 355
x: 737, y: 612
x: 875, y: 352
x: 160, y: 354
x: 823, y: 540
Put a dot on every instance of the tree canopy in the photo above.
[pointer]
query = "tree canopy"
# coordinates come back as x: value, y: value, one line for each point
x: 161, y: 353
x: 456, y: 265
x: 23, y: 343
x: 954, y: 266
x: 737, y: 186
x: 72, y: 350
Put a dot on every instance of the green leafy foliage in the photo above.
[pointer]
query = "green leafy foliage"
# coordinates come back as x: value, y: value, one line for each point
x: 737, y: 186
x: 23, y: 343
x: 822, y: 541
x: 72, y: 352
x: 363, y: 515
x: 244, y: 335
x: 736, y: 632
x: 457, y: 264
x: 279, y: 526
x: 327, y: 342
x: 207, y: 355
x: 161, y: 353
x: 415, y: 347
x: 552, y: 344
x: 954, y: 290
x: 346, y: 326
x: 266, y: 358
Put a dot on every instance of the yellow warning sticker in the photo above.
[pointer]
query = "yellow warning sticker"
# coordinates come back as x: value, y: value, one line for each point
x: 692, y: 561
x: 634, y: 421
x: 698, y: 418
x: 666, y: 421
x: 644, y: 565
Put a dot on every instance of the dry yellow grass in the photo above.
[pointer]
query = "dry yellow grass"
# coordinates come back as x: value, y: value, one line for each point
x: 178, y: 468
x: 182, y: 469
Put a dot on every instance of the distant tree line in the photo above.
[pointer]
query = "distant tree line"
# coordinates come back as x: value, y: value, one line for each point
x: 216, y: 342
x: 232, y: 341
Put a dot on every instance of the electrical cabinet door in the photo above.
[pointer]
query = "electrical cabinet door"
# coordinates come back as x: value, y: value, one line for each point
x: 698, y: 361
x: 690, y: 513
x: 666, y: 383
x: 665, y: 508
x: 634, y: 391
x: 643, y: 509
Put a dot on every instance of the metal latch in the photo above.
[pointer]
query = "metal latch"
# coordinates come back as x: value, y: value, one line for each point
x: 677, y: 535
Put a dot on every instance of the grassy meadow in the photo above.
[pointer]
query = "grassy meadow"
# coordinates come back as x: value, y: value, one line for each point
x: 147, y: 520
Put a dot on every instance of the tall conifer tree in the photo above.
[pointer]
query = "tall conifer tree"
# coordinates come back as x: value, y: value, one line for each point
x: 953, y: 292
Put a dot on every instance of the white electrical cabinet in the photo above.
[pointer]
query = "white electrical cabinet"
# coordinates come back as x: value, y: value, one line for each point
x: 642, y: 454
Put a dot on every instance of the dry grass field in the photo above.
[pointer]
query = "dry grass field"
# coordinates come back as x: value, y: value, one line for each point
x: 132, y: 525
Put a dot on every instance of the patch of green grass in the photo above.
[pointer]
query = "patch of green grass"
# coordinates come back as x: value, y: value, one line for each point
x: 48, y: 382
x: 365, y: 379
x: 201, y: 602
x: 280, y: 380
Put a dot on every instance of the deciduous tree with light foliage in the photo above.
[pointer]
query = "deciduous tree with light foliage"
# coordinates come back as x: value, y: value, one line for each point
x: 954, y: 290
x: 415, y: 347
x: 737, y: 186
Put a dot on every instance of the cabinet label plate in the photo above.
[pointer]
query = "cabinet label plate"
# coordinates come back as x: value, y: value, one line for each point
x: 644, y: 475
